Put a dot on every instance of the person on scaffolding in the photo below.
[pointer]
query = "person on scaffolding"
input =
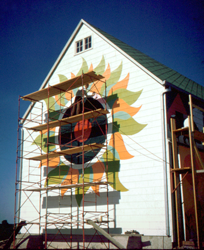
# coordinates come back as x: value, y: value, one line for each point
x: 77, y: 105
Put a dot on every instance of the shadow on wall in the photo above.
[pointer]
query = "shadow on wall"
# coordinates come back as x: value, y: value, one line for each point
x: 68, y: 200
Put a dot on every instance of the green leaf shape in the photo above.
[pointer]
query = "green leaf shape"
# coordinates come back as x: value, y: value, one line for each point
x: 53, y: 113
x: 43, y: 143
x: 112, y: 172
x: 101, y: 67
x: 79, y: 191
x: 57, y: 175
x: 84, y: 68
x: 114, y: 77
x: 128, y: 96
x: 112, y: 176
x: 62, y: 78
x: 109, y: 155
x: 61, y: 96
x: 51, y: 104
x: 129, y: 126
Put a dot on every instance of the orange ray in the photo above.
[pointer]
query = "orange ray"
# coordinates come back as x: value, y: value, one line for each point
x: 58, y: 100
x: 121, y: 105
x: 91, y: 67
x: 122, y: 84
x: 117, y: 142
x: 71, y: 178
x: 97, y: 87
x: 45, y: 130
x: 69, y: 95
x: 98, y: 171
x: 72, y: 75
x: 53, y: 162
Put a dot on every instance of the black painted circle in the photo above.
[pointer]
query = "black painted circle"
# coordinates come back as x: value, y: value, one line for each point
x: 97, y: 134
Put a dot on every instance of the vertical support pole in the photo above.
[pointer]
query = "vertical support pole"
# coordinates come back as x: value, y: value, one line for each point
x: 107, y: 165
x: 82, y: 76
x: 48, y: 134
x: 16, y: 181
x: 179, y: 224
x: 193, y: 167
x: 40, y: 193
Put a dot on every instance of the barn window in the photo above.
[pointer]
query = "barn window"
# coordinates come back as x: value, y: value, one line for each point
x: 79, y: 46
x: 87, y: 42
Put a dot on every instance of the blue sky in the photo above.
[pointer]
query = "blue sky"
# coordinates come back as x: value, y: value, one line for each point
x: 33, y: 33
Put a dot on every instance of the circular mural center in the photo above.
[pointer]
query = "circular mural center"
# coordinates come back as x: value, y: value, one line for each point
x: 90, y: 131
x: 78, y: 130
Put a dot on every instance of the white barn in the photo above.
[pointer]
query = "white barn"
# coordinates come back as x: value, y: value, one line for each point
x: 108, y: 159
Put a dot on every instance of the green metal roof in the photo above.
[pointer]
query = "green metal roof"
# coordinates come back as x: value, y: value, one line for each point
x: 158, y: 69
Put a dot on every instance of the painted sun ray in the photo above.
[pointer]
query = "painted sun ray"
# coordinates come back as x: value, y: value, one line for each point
x: 71, y: 178
x: 117, y: 142
x: 53, y: 162
x: 129, y: 97
x: 121, y: 105
x: 114, y: 77
x: 98, y: 172
x: 96, y: 87
x: 90, y: 68
x: 129, y: 126
x: 121, y: 115
x: 121, y: 84
x: 84, y: 67
x: 100, y: 68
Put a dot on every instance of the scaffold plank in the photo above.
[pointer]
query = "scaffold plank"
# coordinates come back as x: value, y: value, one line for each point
x: 62, y: 87
x: 71, y: 119
x: 69, y: 151
x: 184, y: 131
x: 104, y: 233
x: 68, y: 186
x: 181, y: 170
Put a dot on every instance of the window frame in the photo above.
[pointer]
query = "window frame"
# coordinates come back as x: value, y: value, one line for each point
x: 79, y: 46
x: 87, y: 42
x: 83, y: 45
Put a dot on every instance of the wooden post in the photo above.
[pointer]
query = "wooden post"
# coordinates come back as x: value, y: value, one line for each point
x: 179, y: 224
x: 194, y: 181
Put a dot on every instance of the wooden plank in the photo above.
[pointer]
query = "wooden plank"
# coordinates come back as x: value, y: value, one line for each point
x: 104, y: 233
x: 197, y: 107
x: 181, y: 170
x: 191, y: 113
x: 68, y: 186
x: 62, y: 87
x: 184, y: 131
x: 71, y: 119
x: 69, y: 151
x: 181, y: 131
x: 198, y: 135
x: 179, y: 224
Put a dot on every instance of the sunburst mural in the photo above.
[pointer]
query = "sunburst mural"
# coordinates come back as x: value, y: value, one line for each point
x: 108, y: 129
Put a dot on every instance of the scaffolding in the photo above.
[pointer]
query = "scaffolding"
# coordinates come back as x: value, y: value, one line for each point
x: 70, y: 222
x: 179, y: 174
